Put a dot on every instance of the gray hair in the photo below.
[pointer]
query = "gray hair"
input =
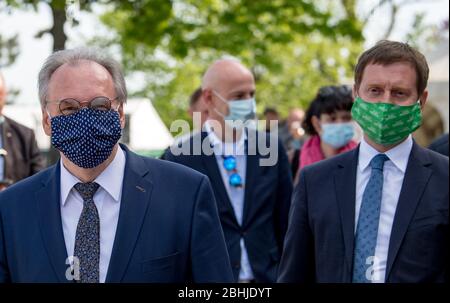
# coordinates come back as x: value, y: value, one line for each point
x: 72, y: 57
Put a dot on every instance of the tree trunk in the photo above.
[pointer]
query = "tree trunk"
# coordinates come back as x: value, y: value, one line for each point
x: 58, y: 8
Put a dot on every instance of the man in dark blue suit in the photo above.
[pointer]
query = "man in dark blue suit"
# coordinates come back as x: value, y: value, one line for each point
x: 249, y: 172
x: 103, y: 213
x: 378, y: 213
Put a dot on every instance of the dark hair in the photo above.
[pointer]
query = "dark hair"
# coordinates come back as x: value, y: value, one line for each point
x: 193, y: 99
x: 270, y: 110
x: 388, y: 52
x: 328, y: 100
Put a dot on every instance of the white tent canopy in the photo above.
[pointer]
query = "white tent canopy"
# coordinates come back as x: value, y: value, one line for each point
x: 147, y: 130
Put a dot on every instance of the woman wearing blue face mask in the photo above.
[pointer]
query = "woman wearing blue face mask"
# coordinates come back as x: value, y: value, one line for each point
x: 328, y: 122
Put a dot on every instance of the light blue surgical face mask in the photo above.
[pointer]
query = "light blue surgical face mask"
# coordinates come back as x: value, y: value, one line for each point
x: 337, y: 134
x: 239, y: 110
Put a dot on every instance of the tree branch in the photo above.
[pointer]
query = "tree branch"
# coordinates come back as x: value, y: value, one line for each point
x: 394, y: 11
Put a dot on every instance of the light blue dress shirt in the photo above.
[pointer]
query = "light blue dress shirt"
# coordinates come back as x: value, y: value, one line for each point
x: 236, y: 195
x: 393, y: 175
x: 106, y: 199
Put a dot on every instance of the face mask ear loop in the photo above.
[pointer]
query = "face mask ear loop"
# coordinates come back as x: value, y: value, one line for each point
x: 221, y: 99
x: 46, y: 109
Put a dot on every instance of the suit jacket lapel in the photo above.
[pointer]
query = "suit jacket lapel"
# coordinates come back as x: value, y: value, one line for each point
x: 210, y: 163
x: 252, y: 168
x: 345, y: 187
x: 6, y: 140
x: 416, y: 178
x: 49, y: 215
x: 136, y: 194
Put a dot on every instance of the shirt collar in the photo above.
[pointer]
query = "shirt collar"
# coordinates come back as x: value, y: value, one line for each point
x: 110, y: 179
x: 399, y: 155
x: 226, y: 148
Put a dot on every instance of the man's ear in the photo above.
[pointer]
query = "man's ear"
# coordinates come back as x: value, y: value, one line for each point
x: 190, y: 112
x: 316, y: 124
x: 121, y: 115
x: 207, y: 97
x: 423, y: 99
x: 354, y: 91
x: 46, y: 125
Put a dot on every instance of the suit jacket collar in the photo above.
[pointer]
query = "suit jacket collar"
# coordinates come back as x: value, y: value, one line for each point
x: 136, y: 197
x: 345, y: 188
x: 417, y: 175
x: 136, y: 194
x: 210, y: 163
x: 398, y: 155
x: 50, y: 224
x: 6, y: 145
x: 111, y: 179
x: 252, y: 170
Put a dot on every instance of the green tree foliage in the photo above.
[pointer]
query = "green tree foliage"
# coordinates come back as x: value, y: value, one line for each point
x: 426, y: 36
x: 60, y: 18
x: 9, y: 50
x: 59, y: 13
x: 292, y: 46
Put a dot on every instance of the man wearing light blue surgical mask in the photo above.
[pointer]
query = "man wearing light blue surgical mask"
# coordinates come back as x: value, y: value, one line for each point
x: 239, y: 110
x: 230, y: 103
x: 253, y: 199
x: 88, y: 218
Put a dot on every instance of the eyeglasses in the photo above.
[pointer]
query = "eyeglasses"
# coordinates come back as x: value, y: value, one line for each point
x: 229, y: 163
x: 71, y: 106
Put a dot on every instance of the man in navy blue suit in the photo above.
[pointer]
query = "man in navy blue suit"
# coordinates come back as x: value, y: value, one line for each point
x: 378, y: 213
x: 103, y: 213
x: 249, y: 172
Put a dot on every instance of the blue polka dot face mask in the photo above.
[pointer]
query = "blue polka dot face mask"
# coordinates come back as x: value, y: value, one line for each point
x: 86, y: 137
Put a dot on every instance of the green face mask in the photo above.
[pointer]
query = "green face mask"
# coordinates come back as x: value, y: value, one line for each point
x: 386, y: 123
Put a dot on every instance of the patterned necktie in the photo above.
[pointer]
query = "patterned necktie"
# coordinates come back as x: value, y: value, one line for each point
x: 369, y: 217
x: 87, y: 239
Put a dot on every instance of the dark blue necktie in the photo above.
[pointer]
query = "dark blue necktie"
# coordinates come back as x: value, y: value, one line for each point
x: 87, y: 239
x: 369, y: 217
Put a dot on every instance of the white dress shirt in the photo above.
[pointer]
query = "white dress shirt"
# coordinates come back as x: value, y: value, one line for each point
x: 106, y: 199
x: 393, y: 174
x: 236, y: 195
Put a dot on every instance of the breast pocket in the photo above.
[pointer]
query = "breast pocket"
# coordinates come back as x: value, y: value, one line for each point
x: 436, y: 219
x: 161, y: 264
